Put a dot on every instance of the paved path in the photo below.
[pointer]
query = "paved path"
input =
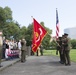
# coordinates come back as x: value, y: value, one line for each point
x: 42, y: 65
x: 8, y: 63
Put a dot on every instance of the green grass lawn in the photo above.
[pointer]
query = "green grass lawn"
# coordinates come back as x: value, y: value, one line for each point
x: 53, y: 52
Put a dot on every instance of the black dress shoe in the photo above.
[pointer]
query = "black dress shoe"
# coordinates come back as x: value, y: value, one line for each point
x: 69, y: 64
x: 66, y: 64
x: 23, y: 61
x: 62, y: 62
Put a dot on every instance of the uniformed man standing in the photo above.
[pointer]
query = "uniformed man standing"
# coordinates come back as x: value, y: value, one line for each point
x: 59, y: 48
x: 38, y: 51
x: 23, y: 50
x: 1, y: 42
x: 62, y: 47
x: 67, y: 46
x: 41, y: 50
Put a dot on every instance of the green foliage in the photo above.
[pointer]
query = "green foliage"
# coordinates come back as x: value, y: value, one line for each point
x: 53, y: 44
x: 17, y: 24
x: 29, y: 34
x: 8, y: 14
x: 23, y: 32
x: 2, y: 18
x: 53, y: 52
x: 8, y: 27
x: 11, y: 30
x: 49, y: 52
x: 73, y: 43
x: 73, y: 54
x: 46, y: 41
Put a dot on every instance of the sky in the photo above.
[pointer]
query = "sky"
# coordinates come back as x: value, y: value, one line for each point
x: 43, y: 11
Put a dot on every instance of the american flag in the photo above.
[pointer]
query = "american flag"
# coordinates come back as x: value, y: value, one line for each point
x: 57, y: 25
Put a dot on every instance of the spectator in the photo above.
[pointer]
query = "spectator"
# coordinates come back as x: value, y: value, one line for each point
x: 19, y: 47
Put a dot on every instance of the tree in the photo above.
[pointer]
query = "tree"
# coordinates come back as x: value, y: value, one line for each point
x: 46, y: 42
x: 29, y: 34
x: 23, y: 32
x: 2, y: 18
x: 73, y: 43
x: 11, y: 30
x: 8, y: 14
x: 53, y: 44
x: 5, y: 19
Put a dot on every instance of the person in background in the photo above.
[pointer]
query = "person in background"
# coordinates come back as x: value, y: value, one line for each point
x: 6, y: 52
x: 1, y: 42
x: 38, y: 51
x: 3, y: 48
x: 19, y: 47
x: 32, y: 53
x: 41, y: 50
x: 11, y: 44
x: 15, y: 45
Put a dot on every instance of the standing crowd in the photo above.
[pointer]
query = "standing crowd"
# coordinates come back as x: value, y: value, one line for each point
x: 64, y: 46
x: 12, y: 49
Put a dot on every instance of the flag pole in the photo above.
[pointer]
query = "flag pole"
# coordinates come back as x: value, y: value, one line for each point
x: 32, y: 32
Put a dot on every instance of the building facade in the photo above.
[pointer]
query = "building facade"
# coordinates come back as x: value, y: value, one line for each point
x: 71, y: 32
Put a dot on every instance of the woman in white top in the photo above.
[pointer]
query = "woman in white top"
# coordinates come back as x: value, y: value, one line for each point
x: 19, y: 47
x: 7, y: 51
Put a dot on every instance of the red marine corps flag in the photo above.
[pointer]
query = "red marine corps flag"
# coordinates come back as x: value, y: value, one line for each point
x: 38, y: 34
